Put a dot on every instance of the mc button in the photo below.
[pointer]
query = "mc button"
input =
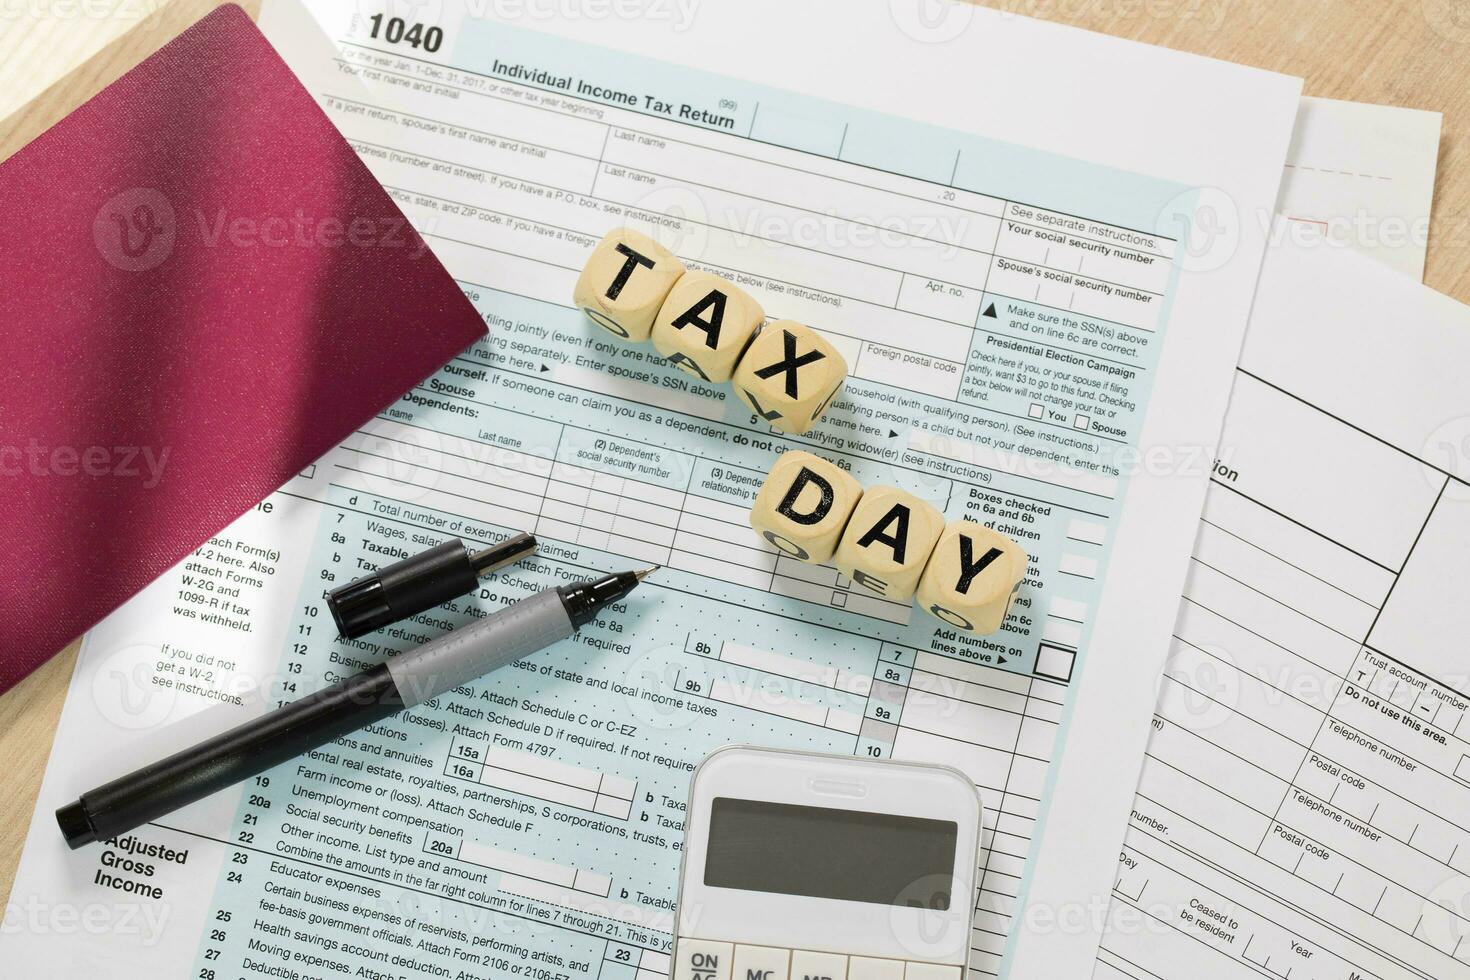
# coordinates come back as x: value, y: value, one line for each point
x: 761, y: 963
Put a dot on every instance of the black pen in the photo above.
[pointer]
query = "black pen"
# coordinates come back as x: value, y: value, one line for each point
x: 406, y: 680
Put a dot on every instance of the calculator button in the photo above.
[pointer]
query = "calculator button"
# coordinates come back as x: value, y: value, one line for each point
x: 931, y: 971
x: 761, y: 963
x: 862, y: 968
x: 700, y: 959
x: 817, y: 966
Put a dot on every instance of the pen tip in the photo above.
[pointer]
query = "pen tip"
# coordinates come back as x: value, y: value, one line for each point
x: 647, y: 572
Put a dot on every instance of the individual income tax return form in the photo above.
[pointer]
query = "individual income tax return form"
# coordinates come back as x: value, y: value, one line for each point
x: 1035, y: 246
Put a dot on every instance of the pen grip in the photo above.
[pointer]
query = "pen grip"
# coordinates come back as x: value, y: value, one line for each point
x: 248, y: 750
x: 472, y: 651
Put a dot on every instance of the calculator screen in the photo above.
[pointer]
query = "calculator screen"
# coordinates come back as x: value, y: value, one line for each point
x: 820, y: 852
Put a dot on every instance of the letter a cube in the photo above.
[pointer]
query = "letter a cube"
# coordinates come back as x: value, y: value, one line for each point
x: 888, y: 539
x: 705, y: 325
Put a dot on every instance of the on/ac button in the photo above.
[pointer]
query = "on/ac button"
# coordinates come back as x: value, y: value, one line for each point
x: 700, y: 959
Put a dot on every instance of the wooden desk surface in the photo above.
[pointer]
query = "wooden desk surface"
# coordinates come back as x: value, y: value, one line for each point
x: 53, y: 55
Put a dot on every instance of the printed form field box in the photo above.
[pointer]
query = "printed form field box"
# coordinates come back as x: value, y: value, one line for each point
x: 1054, y: 661
x: 1062, y: 632
x: 1038, y: 738
x: 796, y: 668
x: 1072, y: 609
x: 1086, y: 531
x: 1016, y: 464
x: 1078, y: 565
x: 541, y: 778
x: 510, y: 863
x: 907, y: 369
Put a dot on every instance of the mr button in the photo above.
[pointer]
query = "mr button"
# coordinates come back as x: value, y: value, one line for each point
x: 888, y: 540
x: 971, y: 577
x: 789, y: 375
x: 804, y: 505
x: 625, y: 282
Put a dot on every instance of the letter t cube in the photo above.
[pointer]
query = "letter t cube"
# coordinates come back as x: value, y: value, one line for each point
x: 625, y: 281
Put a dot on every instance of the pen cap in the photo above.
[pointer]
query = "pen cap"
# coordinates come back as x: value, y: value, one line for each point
x: 75, y: 826
x: 423, y: 581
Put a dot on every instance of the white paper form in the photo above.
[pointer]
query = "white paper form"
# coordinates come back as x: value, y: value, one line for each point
x: 1303, y: 810
x: 1005, y: 274
x: 1361, y: 176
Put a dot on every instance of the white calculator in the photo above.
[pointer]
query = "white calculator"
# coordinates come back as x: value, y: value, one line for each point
x: 799, y: 866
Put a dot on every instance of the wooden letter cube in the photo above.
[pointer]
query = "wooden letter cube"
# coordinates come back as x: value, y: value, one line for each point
x: 804, y: 505
x: 972, y: 576
x: 888, y: 540
x: 625, y: 281
x: 705, y: 325
x: 789, y: 375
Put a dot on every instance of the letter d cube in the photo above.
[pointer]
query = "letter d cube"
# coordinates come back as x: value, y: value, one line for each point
x: 804, y: 505
x: 625, y: 281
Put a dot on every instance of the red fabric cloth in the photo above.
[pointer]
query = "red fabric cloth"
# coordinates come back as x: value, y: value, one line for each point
x: 204, y: 291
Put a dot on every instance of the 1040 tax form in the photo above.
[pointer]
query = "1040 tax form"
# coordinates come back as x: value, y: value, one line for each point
x: 1036, y: 249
